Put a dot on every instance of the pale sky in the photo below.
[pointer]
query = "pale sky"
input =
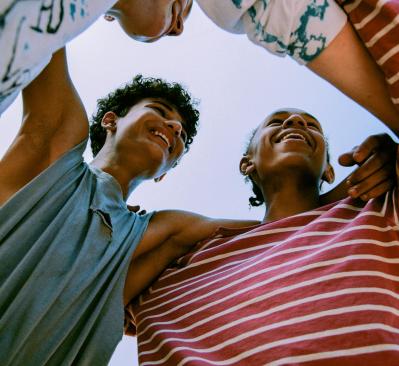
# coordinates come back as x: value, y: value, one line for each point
x: 238, y: 84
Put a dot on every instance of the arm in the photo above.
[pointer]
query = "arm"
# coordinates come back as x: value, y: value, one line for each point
x: 169, y: 235
x: 375, y: 175
x: 347, y: 65
x: 54, y: 121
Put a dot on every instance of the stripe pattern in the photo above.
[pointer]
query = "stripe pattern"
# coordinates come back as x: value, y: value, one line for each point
x: 322, y: 286
x: 377, y: 23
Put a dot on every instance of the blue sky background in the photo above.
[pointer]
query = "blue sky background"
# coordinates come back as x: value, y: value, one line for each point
x: 238, y: 84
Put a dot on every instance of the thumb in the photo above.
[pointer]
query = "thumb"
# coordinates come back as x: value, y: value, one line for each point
x: 347, y: 159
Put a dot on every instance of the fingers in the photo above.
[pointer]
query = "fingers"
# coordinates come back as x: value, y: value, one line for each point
x: 376, y: 162
x: 380, y: 142
x: 375, y: 184
x: 376, y: 173
x: 347, y: 158
x: 377, y: 190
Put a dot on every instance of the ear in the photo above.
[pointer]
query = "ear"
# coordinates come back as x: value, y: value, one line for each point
x: 156, y: 180
x: 109, y: 121
x: 329, y: 174
x: 246, y: 165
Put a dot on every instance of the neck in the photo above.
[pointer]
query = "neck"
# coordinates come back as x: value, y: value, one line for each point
x: 108, y: 161
x: 289, y: 195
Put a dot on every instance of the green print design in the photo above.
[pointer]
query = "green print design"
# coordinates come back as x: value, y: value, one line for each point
x: 265, y: 36
x: 237, y: 3
x: 307, y: 47
x: 303, y: 46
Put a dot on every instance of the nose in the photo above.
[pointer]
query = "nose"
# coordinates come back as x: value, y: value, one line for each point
x: 295, y: 120
x: 175, y: 126
x: 178, y: 27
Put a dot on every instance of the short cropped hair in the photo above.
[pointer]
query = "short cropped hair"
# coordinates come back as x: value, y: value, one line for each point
x: 122, y: 99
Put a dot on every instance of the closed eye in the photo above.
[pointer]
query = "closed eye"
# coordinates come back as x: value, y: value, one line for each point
x: 313, y: 125
x: 275, y: 122
x: 158, y: 109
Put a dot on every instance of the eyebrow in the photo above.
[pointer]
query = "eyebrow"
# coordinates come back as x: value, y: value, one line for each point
x: 167, y: 106
x: 170, y: 109
x: 303, y: 113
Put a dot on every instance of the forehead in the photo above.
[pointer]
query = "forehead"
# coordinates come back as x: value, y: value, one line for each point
x: 172, y: 110
x: 288, y: 112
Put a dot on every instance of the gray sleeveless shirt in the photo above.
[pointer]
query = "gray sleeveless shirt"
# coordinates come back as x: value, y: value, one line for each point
x: 66, y: 240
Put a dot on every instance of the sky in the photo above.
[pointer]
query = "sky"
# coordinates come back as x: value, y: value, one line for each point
x: 237, y: 83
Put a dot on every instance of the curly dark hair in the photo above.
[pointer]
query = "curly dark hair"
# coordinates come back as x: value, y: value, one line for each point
x: 258, y: 199
x: 122, y: 99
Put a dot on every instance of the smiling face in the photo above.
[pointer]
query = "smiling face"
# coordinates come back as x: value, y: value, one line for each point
x: 149, y: 139
x: 149, y: 20
x: 289, y: 139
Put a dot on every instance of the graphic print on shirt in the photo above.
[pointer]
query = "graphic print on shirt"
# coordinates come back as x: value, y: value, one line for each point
x: 48, y: 18
x: 304, y: 44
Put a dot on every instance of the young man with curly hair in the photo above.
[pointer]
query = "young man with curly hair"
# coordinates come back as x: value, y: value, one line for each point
x: 71, y: 252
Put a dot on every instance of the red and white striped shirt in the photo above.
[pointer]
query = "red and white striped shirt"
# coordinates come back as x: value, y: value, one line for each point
x: 377, y: 23
x: 320, y: 287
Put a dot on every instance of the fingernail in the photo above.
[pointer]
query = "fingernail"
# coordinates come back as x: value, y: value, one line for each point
x: 348, y: 182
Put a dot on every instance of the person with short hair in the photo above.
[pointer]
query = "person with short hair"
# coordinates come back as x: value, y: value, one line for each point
x: 352, y: 44
x: 315, y: 33
x: 31, y: 31
x: 311, y: 284
x: 71, y: 252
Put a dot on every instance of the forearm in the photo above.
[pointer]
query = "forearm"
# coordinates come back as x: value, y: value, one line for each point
x: 347, y: 65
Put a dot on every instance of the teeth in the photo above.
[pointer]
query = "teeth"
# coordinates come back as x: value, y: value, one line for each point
x: 295, y: 136
x: 162, y: 136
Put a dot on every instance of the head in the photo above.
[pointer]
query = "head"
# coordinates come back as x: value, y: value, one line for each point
x: 150, y: 20
x: 148, y: 119
x: 289, y: 138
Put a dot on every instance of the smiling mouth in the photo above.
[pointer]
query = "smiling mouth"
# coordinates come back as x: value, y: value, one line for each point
x: 293, y: 137
x: 163, y: 137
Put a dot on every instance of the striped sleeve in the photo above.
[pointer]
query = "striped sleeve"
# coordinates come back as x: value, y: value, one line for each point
x: 377, y: 23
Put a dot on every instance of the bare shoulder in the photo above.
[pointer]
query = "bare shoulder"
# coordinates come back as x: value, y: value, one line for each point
x: 54, y: 121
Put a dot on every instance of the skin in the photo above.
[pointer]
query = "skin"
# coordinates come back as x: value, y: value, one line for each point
x: 294, y: 169
x: 347, y: 65
x: 167, y: 17
x: 283, y: 169
x: 137, y: 131
x: 132, y: 153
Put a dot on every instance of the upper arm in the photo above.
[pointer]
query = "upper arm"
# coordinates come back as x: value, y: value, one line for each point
x: 347, y: 65
x: 54, y: 121
x: 173, y: 228
x: 169, y: 235
x: 177, y: 229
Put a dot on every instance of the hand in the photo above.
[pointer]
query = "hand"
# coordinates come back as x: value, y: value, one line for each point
x: 376, y: 158
x: 136, y: 209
